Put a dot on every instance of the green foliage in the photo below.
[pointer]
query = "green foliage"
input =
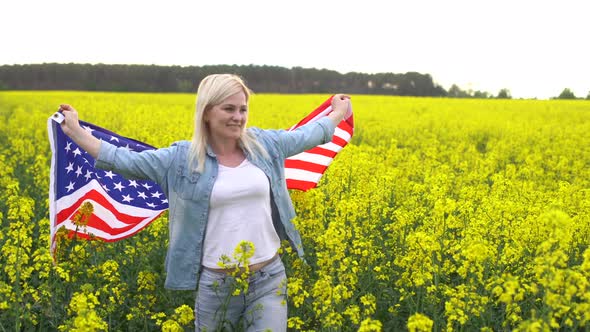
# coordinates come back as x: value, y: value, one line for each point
x: 504, y: 94
x: 441, y: 214
x: 566, y: 94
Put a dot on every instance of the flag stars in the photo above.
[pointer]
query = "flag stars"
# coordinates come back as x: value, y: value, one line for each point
x: 88, y: 129
x: 142, y: 195
x: 70, y: 168
x: 157, y: 194
x: 127, y: 198
x: 119, y: 186
x: 68, y: 147
x: 113, y: 138
x: 109, y: 174
x: 146, y: 186
x: 152, y: 205
x: 133, y: 183
x: 77, y: 152
x: 78, y: 171
x: 88, y: 175
x: 70, y: 187
x: 165, y: 201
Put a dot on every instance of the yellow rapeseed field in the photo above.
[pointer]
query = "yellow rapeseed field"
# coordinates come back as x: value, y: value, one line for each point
x: 440, y: 215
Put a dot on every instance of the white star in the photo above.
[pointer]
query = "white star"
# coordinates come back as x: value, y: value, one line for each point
x: 128, y: 147
x: 88, y: 129
x: 157, y: 194
x: 68, y: 146
x: 164, y: 201
x: 88, y: 174
x: 146, y: 186
x: 113, y: 138
x: 106, y: 188
x: 142, y: 195
x: 78, y: 171
x: 127, y: 198
x: 133, y: 183
x: 109, y: 174
x: 152, y: 205
x: 119, y: 186
x: 70, y: 167
x: 86, y: 161
x: 77, y: 152
x: 70, y: 186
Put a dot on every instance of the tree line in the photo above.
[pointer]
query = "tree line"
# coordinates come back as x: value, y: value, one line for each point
x: 261, y: 79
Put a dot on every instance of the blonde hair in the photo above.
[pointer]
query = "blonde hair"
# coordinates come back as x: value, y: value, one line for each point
x: 213, y: 90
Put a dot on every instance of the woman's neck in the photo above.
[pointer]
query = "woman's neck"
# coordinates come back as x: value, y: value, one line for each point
x: 225, y: 147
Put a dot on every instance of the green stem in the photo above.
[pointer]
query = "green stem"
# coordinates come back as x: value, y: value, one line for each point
x: 18, y: 290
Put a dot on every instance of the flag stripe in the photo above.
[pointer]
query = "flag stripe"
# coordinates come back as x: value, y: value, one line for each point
x: 300, y: 174
x: 99, y: 233
x: 342, y: 134
x: 102, y: 201
x: 322, y: 151
x: 299, y: 164
x: 300, y: 185
x: 311, y: 158
x: 332, y: 146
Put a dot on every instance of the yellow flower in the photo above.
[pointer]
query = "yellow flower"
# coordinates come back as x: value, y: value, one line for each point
x: 370, y: 325
x: 419, y: 323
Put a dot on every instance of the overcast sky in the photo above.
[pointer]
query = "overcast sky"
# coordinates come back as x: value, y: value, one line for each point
x: 533, y: 48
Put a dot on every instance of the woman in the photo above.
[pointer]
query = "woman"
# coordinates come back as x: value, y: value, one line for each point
x: 225, y: 186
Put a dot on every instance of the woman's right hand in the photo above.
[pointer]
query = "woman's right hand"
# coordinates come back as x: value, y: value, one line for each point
x: 71, y: 127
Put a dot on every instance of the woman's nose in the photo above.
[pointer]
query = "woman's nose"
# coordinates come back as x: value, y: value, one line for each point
x: 237, y: 116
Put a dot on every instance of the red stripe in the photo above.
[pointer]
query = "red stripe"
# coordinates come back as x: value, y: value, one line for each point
x: 99, y: 199
x: 350, y: 121
x: 301, y: 185
x: 305, y: 165
x: 346, y: 127
x: 98, y: 223
x: 86, y: 236
x: 323, y: 152
x: 339, y: 141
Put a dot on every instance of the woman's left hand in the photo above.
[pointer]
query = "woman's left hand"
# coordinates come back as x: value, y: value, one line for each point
x: 340, y: 106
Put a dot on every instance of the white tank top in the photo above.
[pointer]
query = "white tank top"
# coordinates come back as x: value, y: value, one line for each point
x: 239, y: 210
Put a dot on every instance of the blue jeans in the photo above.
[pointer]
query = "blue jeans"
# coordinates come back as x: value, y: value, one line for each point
x: 263, y: 307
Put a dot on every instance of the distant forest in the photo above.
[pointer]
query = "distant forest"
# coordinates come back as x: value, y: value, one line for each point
x: 261, y: 79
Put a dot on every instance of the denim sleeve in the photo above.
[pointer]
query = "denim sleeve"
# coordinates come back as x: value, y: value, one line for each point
x: 146, y: 165
x: 305, y: 137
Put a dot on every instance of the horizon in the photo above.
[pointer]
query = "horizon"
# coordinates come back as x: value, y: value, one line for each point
x: 534, y: 49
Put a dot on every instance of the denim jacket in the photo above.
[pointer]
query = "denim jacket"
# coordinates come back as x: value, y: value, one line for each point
x: 188, y: 192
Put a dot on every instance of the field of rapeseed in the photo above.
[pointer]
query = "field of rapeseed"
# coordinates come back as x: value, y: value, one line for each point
x: 442, y: 215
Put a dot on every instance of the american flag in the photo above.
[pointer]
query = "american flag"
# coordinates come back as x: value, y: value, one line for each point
x: 303, y: 171
x: 123, y: 207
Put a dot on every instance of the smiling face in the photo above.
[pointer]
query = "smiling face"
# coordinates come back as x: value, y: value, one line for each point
x: 226, y: 121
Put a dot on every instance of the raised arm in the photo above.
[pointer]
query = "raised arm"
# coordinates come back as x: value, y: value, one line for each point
x: 71, y: 127
x: 148, y: 164
x: 311, y: 134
